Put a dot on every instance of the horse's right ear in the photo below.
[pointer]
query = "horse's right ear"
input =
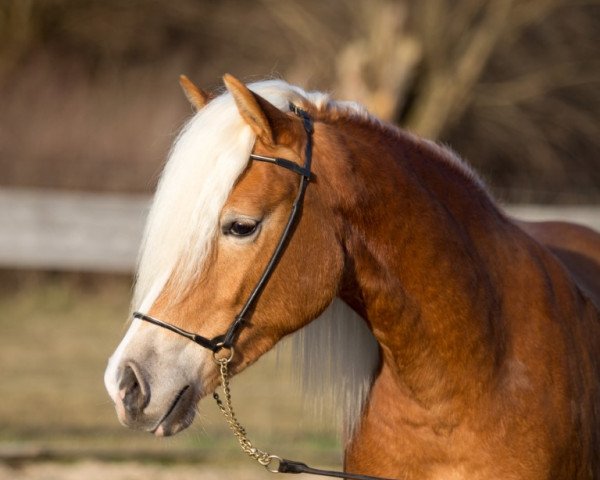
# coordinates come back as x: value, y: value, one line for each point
x: 265, y: 119
x: 196, y: 96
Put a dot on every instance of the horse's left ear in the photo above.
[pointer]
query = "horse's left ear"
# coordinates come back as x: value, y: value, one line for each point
x: 263, y: 117
x: 196, y: 96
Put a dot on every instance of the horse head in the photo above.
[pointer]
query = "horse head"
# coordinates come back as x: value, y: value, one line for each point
x: 215, y: 221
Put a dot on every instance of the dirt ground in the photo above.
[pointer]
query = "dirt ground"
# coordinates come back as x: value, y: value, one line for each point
x: 95, y: 470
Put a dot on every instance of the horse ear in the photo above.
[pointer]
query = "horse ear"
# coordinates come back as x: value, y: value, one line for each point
x: 196, y: 96
x: 262, y: 116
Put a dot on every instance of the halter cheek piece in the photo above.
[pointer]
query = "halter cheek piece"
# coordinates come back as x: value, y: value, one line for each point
x: 229, y: 337
x: 227, y: 340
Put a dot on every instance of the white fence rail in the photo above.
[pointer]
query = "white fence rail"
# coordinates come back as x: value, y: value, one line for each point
x: 70, y: 231
x: 87, y: 232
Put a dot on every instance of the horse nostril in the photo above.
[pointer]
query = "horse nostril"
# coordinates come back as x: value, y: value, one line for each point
x: 133, y: 392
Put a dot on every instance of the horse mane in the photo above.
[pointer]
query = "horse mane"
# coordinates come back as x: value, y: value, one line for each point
x: 210, y: 153
x: 336, y: 354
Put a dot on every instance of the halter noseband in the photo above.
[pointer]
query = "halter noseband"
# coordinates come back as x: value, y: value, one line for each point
x: 228, y: 338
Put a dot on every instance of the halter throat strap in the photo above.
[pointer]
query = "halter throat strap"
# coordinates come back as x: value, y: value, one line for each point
x: 228, y: 339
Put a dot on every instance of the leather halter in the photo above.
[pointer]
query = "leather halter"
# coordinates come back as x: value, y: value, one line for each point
x: 227, y: 339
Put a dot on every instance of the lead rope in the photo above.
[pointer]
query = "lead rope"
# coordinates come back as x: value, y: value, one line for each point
x: 272, y: 463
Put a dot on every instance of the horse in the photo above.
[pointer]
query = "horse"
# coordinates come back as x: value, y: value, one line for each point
x: 461, y: 343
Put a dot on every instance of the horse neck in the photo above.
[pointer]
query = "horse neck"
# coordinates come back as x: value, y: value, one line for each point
x: 420, y: 235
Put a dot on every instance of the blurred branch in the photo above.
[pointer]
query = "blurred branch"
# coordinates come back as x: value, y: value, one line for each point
x: 526, y: 13
x: 376, y: 69
x: 449, y: 80
x: 543, y: 159
x: 301, y: 26
x: 308, y: 34
x: 574, y: 118
x: 535, y: 84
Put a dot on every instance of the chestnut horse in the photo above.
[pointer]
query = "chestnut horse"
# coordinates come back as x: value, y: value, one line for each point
x: 476, y: 353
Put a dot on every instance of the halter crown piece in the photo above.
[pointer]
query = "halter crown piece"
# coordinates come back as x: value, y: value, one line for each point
x: 227, y: 340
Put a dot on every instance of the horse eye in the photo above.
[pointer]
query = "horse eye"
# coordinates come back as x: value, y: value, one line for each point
x: 243, y: 228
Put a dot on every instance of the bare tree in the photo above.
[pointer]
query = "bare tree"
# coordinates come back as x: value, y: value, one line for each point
x: 450, y: 69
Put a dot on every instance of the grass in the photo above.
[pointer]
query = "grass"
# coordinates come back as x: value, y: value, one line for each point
x: 57, y: 334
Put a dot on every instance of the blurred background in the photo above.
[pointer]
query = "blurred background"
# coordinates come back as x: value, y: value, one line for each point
x: 90, y: 103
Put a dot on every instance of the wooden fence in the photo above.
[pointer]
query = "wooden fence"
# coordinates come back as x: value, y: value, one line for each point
x: 54, y: 230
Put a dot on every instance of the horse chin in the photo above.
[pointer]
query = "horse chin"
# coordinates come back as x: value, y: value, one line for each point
x: 179, y: 415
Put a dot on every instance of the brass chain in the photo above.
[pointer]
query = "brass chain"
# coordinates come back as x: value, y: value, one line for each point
x: 226, y: 408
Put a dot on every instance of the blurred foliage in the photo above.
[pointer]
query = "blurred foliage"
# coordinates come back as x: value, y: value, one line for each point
x: 90, y: 98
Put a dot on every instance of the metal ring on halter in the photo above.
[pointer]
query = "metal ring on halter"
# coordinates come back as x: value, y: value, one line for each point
x: 272, y: 459
x: 221, y: 347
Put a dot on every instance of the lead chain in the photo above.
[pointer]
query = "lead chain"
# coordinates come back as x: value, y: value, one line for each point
x: 226, y: 408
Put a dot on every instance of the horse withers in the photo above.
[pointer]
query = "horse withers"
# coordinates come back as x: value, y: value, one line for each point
x: 472, y: 347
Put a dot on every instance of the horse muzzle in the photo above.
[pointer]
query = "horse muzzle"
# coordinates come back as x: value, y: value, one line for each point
x: 163, y: 417
x: 155, y: 380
